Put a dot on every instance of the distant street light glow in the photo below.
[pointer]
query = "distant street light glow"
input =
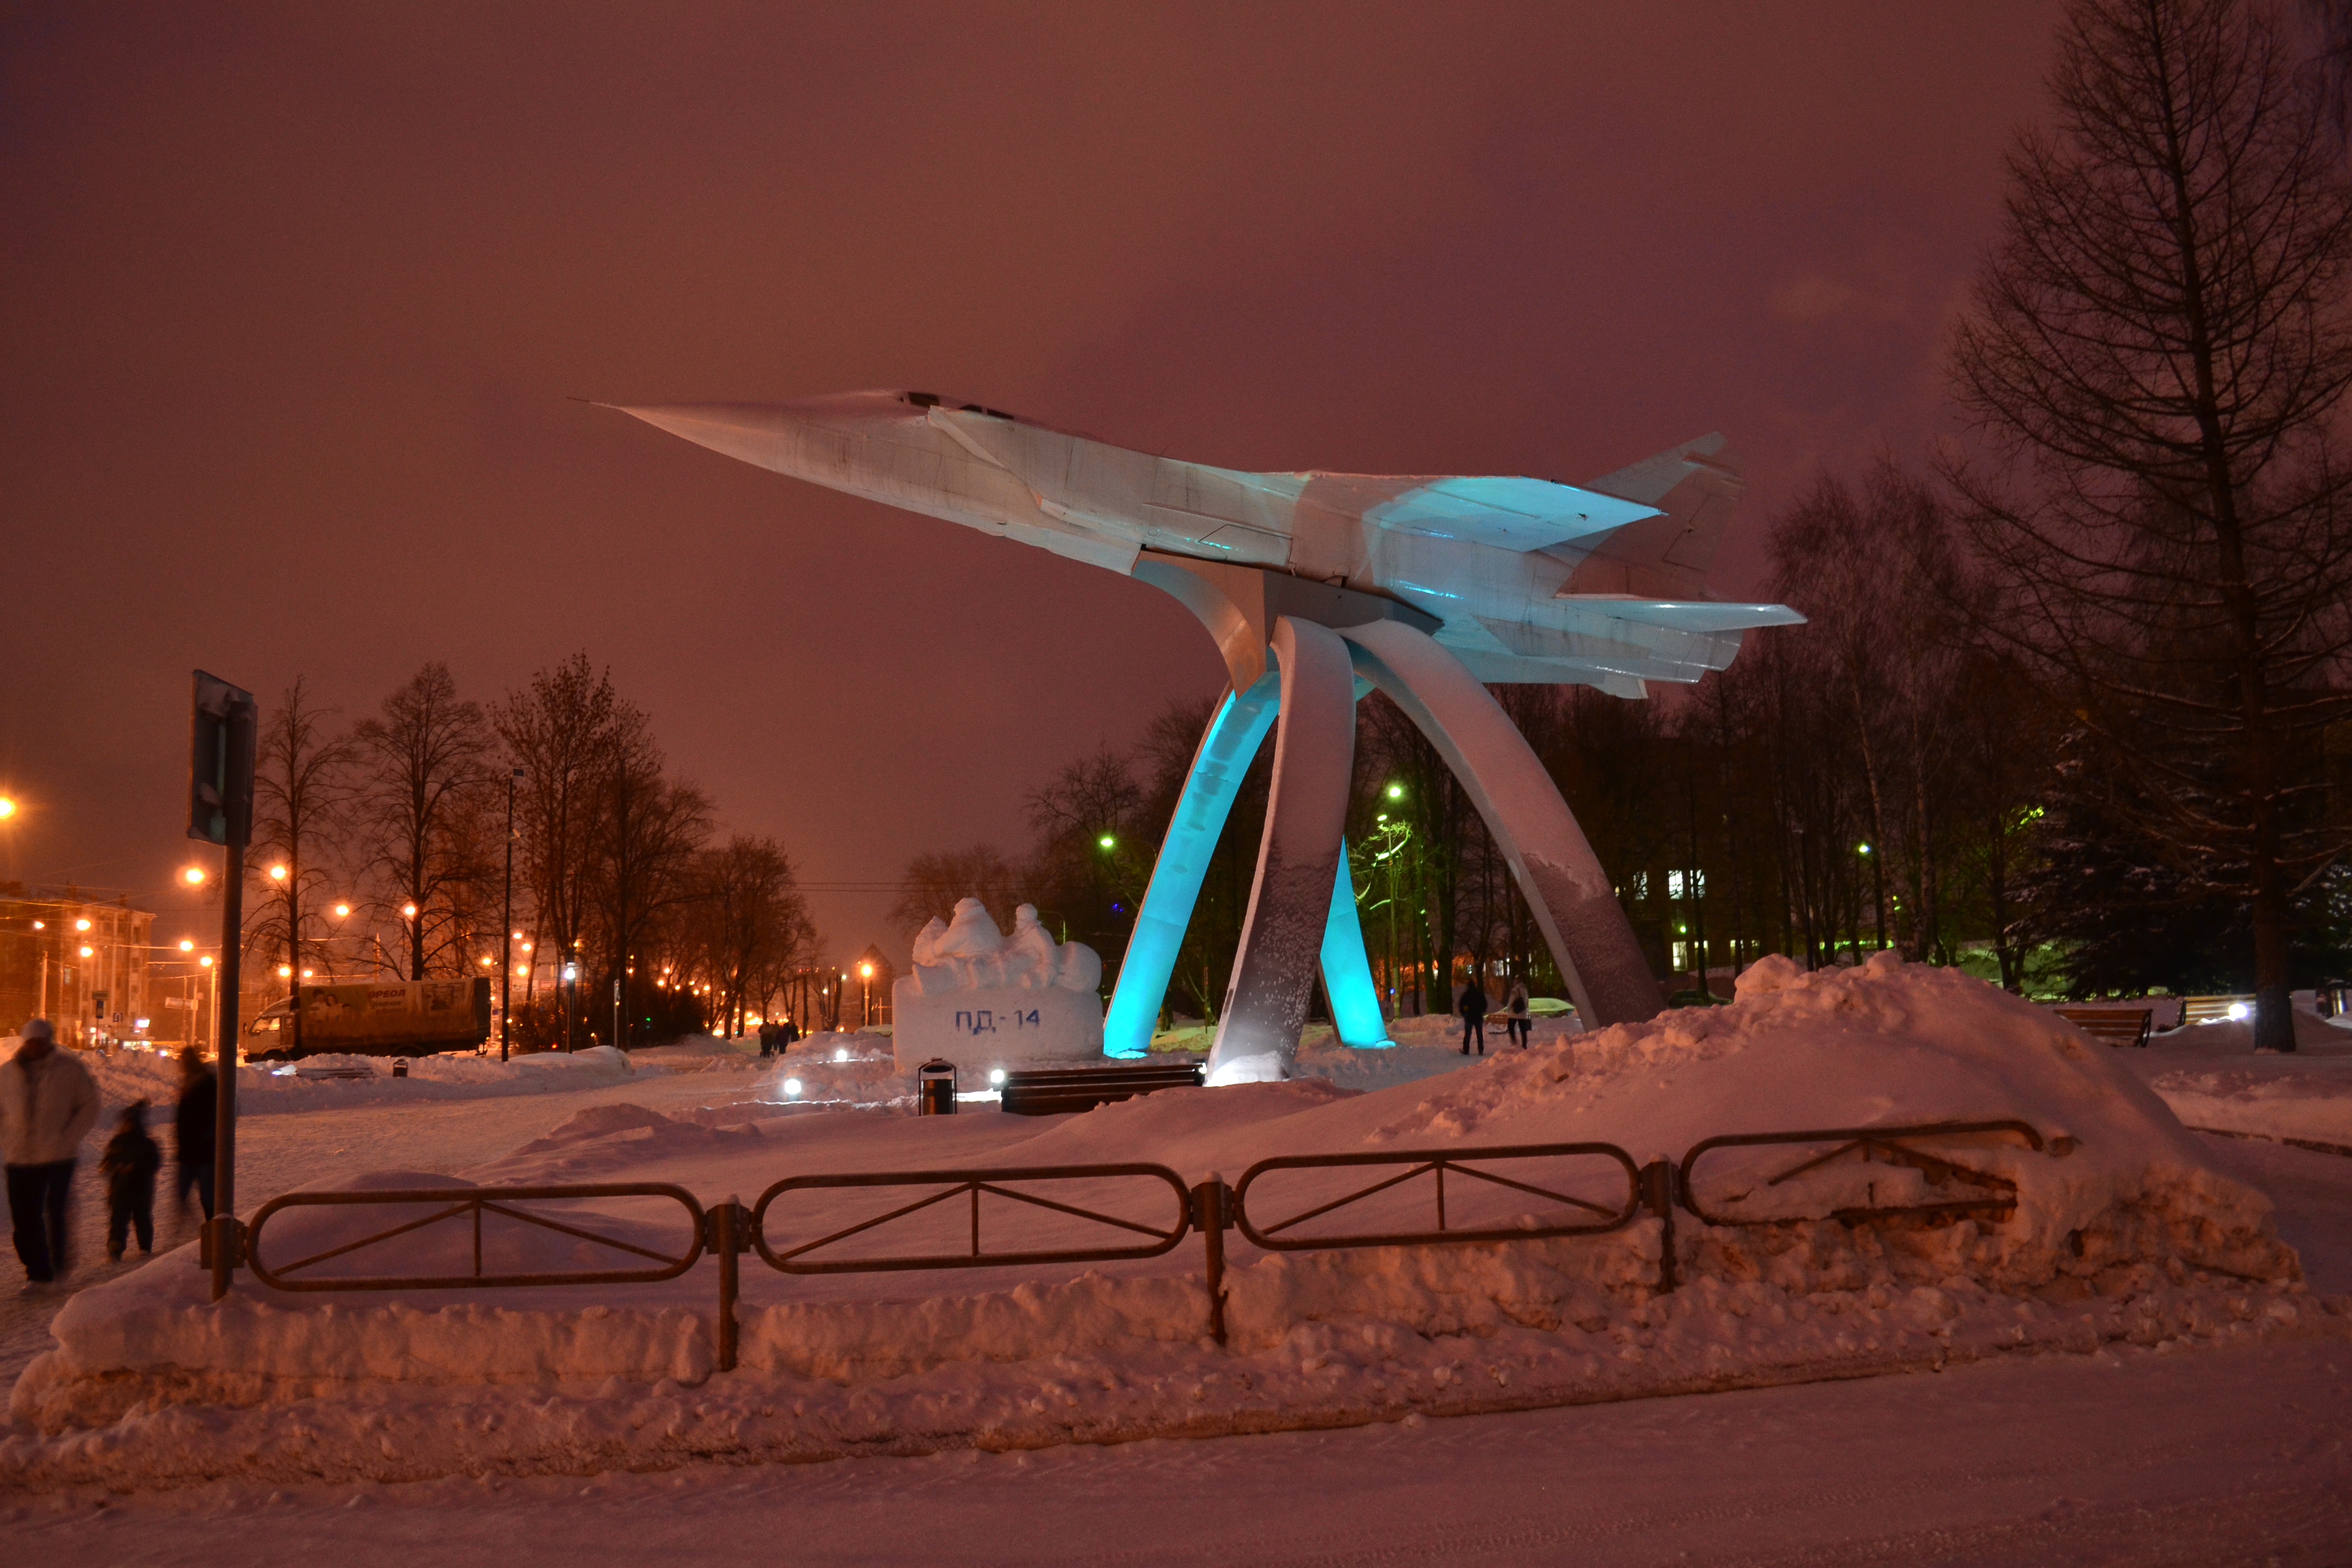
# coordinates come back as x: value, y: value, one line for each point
x: 186, y: 945
x: 81, y: 925
x: 408, y: 910
x: 87, y: 950
x: 277, y: 873
x: 206, y: 960
x: 7, y: 808
x: 193, y: 875
x: 341, y: 910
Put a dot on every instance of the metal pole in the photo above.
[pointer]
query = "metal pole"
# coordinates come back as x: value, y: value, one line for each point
x: 506, y: 930
x: 727, y: 1238
x: 239, y: 811
x: 1209, y: 1207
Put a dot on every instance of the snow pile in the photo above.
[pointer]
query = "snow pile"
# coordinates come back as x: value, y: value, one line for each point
x: 2121, y: 1232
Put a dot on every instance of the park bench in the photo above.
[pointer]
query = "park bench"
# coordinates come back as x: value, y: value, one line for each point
x: 2115, y: 1025
x: 1054, y: 1092
x: 2212, y: 1009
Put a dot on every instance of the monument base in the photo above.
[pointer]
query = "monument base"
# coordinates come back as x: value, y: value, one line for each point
x: 982, y: 1027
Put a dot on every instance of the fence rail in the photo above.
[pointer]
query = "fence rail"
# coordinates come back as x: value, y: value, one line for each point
x: 973, y: 1185
x: 474, y: 1202
x: 1887, y: 1145
x: 728, y: 1229
x: 1435, y: 1164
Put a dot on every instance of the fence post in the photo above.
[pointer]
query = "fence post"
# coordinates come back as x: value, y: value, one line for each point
x: 1658, y: 1194
x: 727, y: 1230
x: 1210, y: 1212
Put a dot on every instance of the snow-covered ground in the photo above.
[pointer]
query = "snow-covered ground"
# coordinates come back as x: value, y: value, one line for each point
x: 2124, y: 1232
x: 2212, y: 1077
x: 2119, y: 1449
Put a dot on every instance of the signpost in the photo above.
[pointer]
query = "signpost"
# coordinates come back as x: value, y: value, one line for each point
x: 220, y: 811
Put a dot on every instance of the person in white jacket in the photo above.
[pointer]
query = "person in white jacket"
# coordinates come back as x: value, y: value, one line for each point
x: 47, y: 1102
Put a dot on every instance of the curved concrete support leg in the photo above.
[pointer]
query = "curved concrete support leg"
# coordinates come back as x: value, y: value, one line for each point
x: 1347, y: 969
x: 1297, y: 859
x: 1227, y: 747
x: 1591, y: 939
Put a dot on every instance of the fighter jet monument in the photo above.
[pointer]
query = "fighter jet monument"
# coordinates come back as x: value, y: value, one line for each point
x: 1319, y: 587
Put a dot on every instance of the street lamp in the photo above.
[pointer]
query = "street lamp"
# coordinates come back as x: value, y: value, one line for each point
x: 193, y: 875
x: 865, y: 984
x: 7, y: 808
x: 277, y: 873
x: 505, y: 943
x: 342, y: 911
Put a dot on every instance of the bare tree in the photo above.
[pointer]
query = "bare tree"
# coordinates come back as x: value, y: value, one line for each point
x: 424, y: 780
x: 1089, y: 869
x: 749, y: 925
x: 642, y: 841
x: 2155, y: 345
x: 301, y: 789
x: 562, y: 731
x: 932, y: 884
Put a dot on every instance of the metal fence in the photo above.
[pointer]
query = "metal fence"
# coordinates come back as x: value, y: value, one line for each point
x: 1590, y: 1189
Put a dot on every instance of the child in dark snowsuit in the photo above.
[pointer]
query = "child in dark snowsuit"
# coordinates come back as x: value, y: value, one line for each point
x: 130, y: 1162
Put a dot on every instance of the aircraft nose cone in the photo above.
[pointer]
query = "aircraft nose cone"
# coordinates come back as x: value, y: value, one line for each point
x: 754, y: 432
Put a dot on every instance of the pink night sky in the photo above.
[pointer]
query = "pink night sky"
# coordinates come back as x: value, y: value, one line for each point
x: 297, y: 300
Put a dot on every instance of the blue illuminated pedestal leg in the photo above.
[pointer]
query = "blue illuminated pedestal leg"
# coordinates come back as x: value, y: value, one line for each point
x: 1348, y: 970
x: 1227, y: 747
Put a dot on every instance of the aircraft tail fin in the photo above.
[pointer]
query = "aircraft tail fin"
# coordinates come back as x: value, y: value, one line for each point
x: 1695, y: 487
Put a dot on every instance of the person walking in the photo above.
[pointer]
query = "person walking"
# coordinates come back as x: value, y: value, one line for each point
x: 47, y: 1102
x: 192, y: 1128
x: 1473, y: 1015
x: 130, y: 1162
x: 1515, y: 1026
x: 767, y: 1032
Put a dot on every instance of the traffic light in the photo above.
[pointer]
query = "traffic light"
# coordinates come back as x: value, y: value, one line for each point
x: 220, y: 764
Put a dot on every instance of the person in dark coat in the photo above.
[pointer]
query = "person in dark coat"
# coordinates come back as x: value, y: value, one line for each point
x: 130, y: 1164
x: 767, y: 1032
x: 1474, y: 1015
x: 193, y: 1127
x: 789, y: 1038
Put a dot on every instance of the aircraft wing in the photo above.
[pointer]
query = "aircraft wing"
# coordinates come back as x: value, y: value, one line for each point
x: 1507, y: 513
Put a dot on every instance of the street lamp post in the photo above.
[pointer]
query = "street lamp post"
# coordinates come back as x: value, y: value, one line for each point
x: 506, y: 924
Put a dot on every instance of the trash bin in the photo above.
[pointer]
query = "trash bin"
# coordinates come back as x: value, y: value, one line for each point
x: 937, y: 1082
x: 400, y: 1067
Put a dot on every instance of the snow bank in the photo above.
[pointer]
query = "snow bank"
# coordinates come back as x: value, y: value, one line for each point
x: 269, y: 1088
x: 2212, y: 1077
x: 2121, y: 1233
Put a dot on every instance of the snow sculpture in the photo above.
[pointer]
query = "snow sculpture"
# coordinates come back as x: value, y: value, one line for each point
x: 1427, y: 587
x: 984, y: 1000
